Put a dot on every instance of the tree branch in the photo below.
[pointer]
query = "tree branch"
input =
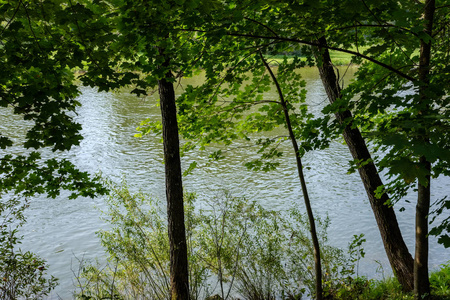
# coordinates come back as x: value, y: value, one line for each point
x: 263, y: 25
x: 315, y: 44
x: 12, y: 18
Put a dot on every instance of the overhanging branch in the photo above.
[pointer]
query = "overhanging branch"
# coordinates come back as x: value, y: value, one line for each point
x: 305, y: 42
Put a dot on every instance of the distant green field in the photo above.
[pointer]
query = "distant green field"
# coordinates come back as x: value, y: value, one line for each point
x: 338, y: 58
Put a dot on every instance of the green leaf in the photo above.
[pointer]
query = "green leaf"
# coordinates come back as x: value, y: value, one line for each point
x: 190, y: 169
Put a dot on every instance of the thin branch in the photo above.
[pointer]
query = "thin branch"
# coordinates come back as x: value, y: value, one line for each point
x: 31, y: 29
x: 345, y: 73
x: 83, y: 42
x: 12, y: 18
x: 365, y: 25
x: 236, y: 65
x: 294, y: 40
x: 252, y: 103
x: 441, y: 28
x: 316, y: 246
x: 379, y: 22
x: 238, y: 248
x: 263, y: 25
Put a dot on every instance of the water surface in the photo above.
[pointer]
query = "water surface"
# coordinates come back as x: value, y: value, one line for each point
x: 63, y: 231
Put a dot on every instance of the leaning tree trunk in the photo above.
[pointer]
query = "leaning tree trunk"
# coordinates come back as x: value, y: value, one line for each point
x: 397, y: 252
x: 312, y: 223
x: 179, y: 276
x: 421, y: 280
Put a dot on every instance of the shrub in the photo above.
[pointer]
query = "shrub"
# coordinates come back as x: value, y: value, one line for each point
x: 22, y: 274
x: 440, y: 282
x: 235, y: 247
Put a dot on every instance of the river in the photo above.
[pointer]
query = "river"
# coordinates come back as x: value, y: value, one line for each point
x: 63, y: 231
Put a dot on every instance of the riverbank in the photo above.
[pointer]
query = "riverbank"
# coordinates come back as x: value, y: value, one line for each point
x: 109, y: 123
x: 337, y: 57
x: 237, y: 250
x: 363, y: 288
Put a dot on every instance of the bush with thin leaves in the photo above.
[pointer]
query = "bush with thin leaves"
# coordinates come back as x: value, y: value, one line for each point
x: 236, y: 248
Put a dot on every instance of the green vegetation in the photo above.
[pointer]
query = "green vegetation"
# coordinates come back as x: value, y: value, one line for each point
x: 389, y: 288
x: 22, y: 274
x: 440, y: 282
x: 397, y: 103
x: 37, y: 84
x: 338, y: 58
x: 363, y: 288
x: 235, y: 247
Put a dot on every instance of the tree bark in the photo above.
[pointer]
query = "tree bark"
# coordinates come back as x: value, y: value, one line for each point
x: 312, y: 223
x: 397, y: 252
x: 179, y: 276
x: 421, y: 279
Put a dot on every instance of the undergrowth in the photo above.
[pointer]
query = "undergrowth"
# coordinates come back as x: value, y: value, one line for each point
x: 236, y: 249
x: 389, y: 288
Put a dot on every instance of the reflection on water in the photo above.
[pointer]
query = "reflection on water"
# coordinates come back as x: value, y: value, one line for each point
x: 62, y: 230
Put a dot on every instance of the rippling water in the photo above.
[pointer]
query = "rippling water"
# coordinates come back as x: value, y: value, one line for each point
x: 63, y: 231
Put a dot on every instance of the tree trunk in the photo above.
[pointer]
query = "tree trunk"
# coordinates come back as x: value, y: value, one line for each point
x: 421, y: 280
x: 312, y: 223
x: 179, y: 276
x: 397, y: 252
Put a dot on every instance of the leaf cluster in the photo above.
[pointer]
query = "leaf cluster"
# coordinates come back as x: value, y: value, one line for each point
x: 38, y: 55
x: 23, y: 273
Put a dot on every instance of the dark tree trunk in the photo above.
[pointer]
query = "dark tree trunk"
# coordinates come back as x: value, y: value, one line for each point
x: 397, y: 252
x: 312, y: 223
x: 421, y: 280
x: 179, y: 279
